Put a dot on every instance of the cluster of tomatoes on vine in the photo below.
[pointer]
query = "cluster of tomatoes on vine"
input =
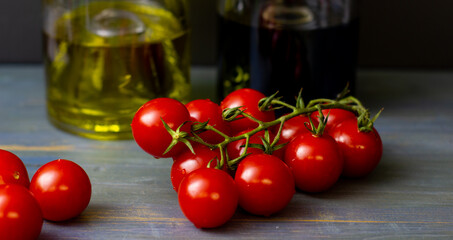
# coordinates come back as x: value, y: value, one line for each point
x: 239, y: 153
x: 59, y: 190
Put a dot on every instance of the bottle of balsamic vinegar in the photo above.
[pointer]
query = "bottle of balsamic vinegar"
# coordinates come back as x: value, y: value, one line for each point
x: 287, y: 45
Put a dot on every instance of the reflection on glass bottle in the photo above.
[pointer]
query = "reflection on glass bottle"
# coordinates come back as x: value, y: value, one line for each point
x: 105, y: 59
x: 287, y: 45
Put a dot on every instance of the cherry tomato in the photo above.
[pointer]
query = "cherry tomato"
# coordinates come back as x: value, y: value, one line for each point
x: 315, y: 161
x: 62, y: 188
x: 20, y: 214
x: 265, y: 184
x: 12, y: 169
x: 362, y: 151
x: 186, y: 162
x: 335, y: 116
x: 295, y: 126
x: 208, y: 197
x: 149, y: 131
x: 202, y: 110
x: 247, y: 99
x: 237, y: 148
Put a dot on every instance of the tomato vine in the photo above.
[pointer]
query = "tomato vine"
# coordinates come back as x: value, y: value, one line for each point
x: 343, y: 101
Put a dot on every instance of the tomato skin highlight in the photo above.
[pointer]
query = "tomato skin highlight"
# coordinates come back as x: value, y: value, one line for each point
x: 187, y: 162
x: 362, y: 151
x: 149, y: 131
x: 20, y: 213
x: 208, y: 197
x: 62, y: 189
x: 248, y: 100
x: 315, y: 161
x: 12, y: 169
x: 334, y: 117
x: 295, y: 126
x: 202, y: 110
x: 265, y: 184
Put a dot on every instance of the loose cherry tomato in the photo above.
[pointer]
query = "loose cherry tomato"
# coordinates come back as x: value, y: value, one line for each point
x: 187, y: 162
x: 20, y: 214
x: 149, y: 131
x: 295, y: 126
x: 316, y: 161
x: 362, y: 151
x: 12, y: 169
x: 202, y: 110
x: 208, y: 197
x: 62, y: 188
x: 265, y: 184
x: 237, y: 148
x: 247, y: 99
x: 335, y: 116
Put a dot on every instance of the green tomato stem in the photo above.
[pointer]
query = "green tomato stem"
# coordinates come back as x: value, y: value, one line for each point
x: 348, y: 103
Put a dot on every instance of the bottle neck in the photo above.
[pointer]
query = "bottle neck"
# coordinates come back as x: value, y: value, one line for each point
x: 289, y: 14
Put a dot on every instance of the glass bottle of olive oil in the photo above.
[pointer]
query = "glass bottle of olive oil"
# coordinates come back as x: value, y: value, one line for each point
x: 104, y: 59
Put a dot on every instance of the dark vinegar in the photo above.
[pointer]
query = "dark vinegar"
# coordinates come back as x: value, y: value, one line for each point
x: 321, y: 61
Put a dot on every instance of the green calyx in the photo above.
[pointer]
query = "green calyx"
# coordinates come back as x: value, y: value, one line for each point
x: 364, y: 123
x: 177, y: 136
x: 273, y: 102
x: 322, y: 123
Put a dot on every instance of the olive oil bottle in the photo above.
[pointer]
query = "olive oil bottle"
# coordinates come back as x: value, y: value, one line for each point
x: 105, y: 59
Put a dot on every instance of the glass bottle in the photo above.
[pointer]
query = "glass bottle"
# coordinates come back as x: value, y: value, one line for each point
x: 104, y: 59
x: 286, y: 45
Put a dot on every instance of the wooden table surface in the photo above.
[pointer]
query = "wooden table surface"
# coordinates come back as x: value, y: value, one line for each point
x: 408, y: 196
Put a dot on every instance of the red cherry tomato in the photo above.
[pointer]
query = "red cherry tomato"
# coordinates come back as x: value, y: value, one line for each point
x: 295, y: 126
x: 149, y: 131
x: 237, y: 148
x: 316, y: 162
x: 247, y: 99
x: 208, y: 197
x: 20, y: 214
x: 12, y: 169
x: 187, y: 162
x: 362, y: 151
x: 202, y: 110
x: 265, y: 184
x: 62, y: 189
x: 335, y: 116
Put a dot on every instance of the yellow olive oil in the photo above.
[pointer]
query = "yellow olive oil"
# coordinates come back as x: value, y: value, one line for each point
x: 105, y: 59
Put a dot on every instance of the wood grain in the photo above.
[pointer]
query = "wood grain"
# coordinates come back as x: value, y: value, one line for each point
x: 409, y: 195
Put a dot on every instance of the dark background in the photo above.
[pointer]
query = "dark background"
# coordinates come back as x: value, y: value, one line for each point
x: 394, y: 33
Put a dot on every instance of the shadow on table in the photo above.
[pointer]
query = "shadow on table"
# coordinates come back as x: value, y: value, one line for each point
x: 93, y: 213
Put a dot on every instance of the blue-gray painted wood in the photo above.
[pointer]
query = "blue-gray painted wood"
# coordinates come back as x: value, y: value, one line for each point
x: 408, y: 196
